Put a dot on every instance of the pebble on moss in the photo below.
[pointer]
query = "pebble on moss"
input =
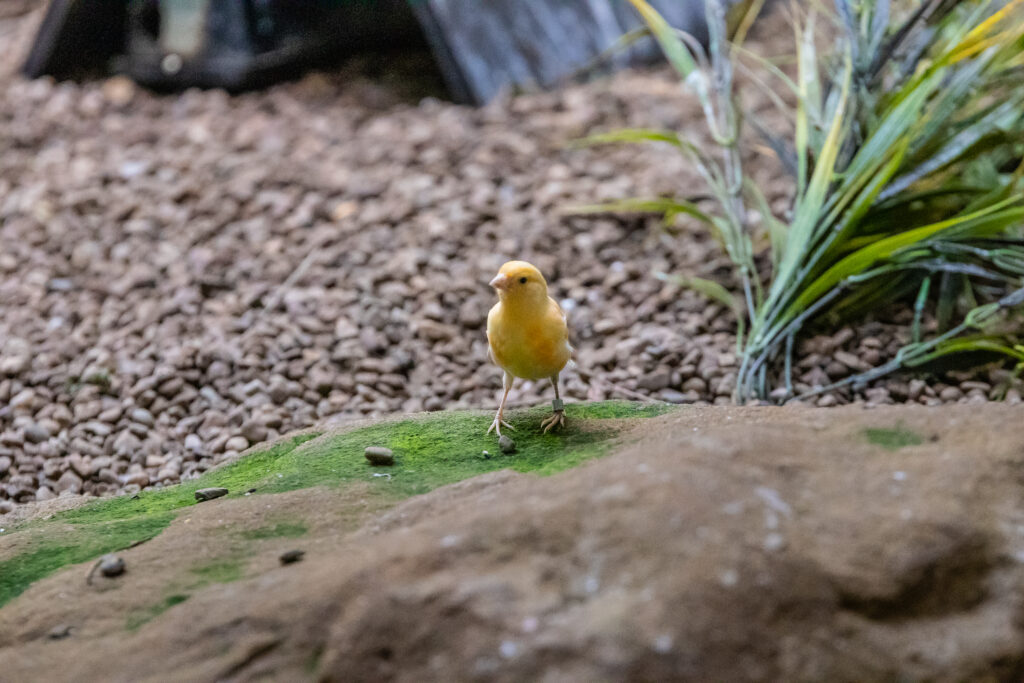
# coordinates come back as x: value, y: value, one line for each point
x: 210, y: 493
x: 506, y: 444
x: 378, y: 455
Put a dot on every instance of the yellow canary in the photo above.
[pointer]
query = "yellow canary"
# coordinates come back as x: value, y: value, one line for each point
x: 527, y: 335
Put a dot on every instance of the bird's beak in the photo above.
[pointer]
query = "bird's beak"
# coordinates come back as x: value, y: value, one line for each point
x: 500, y: 282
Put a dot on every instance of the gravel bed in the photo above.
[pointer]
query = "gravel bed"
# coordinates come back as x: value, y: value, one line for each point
x: 184, y: 276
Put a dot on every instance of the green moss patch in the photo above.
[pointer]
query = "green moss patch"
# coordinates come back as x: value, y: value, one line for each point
x: 60, y: 547
x: 430, y: 451
x: 893, y: 439
x: 606, y: 410
x: 448, y: 447
x: 238, y: 477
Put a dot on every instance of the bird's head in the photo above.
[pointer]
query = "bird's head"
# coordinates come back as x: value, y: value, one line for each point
x: 520, y: 281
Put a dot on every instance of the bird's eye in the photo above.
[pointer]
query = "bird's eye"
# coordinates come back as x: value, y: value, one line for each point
x: 522, y: 280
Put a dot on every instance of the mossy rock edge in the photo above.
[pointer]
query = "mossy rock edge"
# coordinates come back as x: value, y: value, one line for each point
x: 431, y: 450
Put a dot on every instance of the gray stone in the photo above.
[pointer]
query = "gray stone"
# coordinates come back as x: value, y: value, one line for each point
x: 236, y: 443
x: 695, y: 384
x: 69, y: 481
x: 12, y: 438
x: 254, y: 432
x: 291, y: 556
x: 142, y: 416
x: 171, y: 387
x: 22, y: 399
x: 98, y: 428
x: 378, y: 455
x: 210, y: 493
x: 506, y: 444
x: 140, y: 479
x: 126, y: 443
x: 655, y: 380
x: 97, y: 376
x: 673, y: 396
x: 59, y: 632
x: 14, y: 365
x: 110, y: 415
x: 111, y: 565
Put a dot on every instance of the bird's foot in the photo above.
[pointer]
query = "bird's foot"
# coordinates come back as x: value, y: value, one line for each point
x: 498, y: 424
x: 556, y: 419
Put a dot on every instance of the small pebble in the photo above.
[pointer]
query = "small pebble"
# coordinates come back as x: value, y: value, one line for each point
x: 142, y: 416
x: 210, y: 493
x: 59, y: 632
x: 36, y: 433
x: 378, y: 455
x: 111, y: 565
x: 236, y: 443
x: 291, y: 556
x: 506, y: 444
x: 193, y: 443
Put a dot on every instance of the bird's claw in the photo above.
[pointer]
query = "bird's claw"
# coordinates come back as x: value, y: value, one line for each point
x: 498, y: 424
x: 555, y: 420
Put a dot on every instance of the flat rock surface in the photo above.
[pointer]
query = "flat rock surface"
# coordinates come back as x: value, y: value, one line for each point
x: 740, y: 544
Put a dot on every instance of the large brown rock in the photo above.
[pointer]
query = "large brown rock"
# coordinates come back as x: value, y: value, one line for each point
x: 729, y: 544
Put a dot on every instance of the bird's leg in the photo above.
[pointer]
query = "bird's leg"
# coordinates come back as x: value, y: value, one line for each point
x: 557, y: 418
x: 498, y: 420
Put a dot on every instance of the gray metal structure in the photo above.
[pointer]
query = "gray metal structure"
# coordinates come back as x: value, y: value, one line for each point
x: 485, y: 45
x: 481, y: 46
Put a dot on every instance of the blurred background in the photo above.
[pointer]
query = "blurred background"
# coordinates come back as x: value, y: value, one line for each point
x: 478, y: 46
x: 187, y: 271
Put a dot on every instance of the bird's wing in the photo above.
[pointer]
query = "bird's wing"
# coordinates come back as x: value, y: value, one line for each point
x: 491, y: 315
x: 565, y: 328
x: 556, y: 310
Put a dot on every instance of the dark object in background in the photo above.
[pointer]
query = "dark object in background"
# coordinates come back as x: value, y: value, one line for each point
x: 240, y: 44
x: 231, y: 44
x: 481, y: 46
x: 76, y: 36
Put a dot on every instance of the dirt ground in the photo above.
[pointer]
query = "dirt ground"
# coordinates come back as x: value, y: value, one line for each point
x: 716, y: 543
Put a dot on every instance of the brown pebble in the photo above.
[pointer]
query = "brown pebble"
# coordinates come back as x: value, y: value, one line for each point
x: 59, y: 632
x: 111, y: 565
x: 210, y: 493
x: 290, y: 556
x: 379, y: 456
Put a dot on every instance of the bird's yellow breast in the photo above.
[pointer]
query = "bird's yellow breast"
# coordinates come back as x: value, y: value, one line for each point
x: 530, y: 344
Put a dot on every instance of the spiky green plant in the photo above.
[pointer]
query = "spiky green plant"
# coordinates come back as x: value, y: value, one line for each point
x: 906, y: 153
